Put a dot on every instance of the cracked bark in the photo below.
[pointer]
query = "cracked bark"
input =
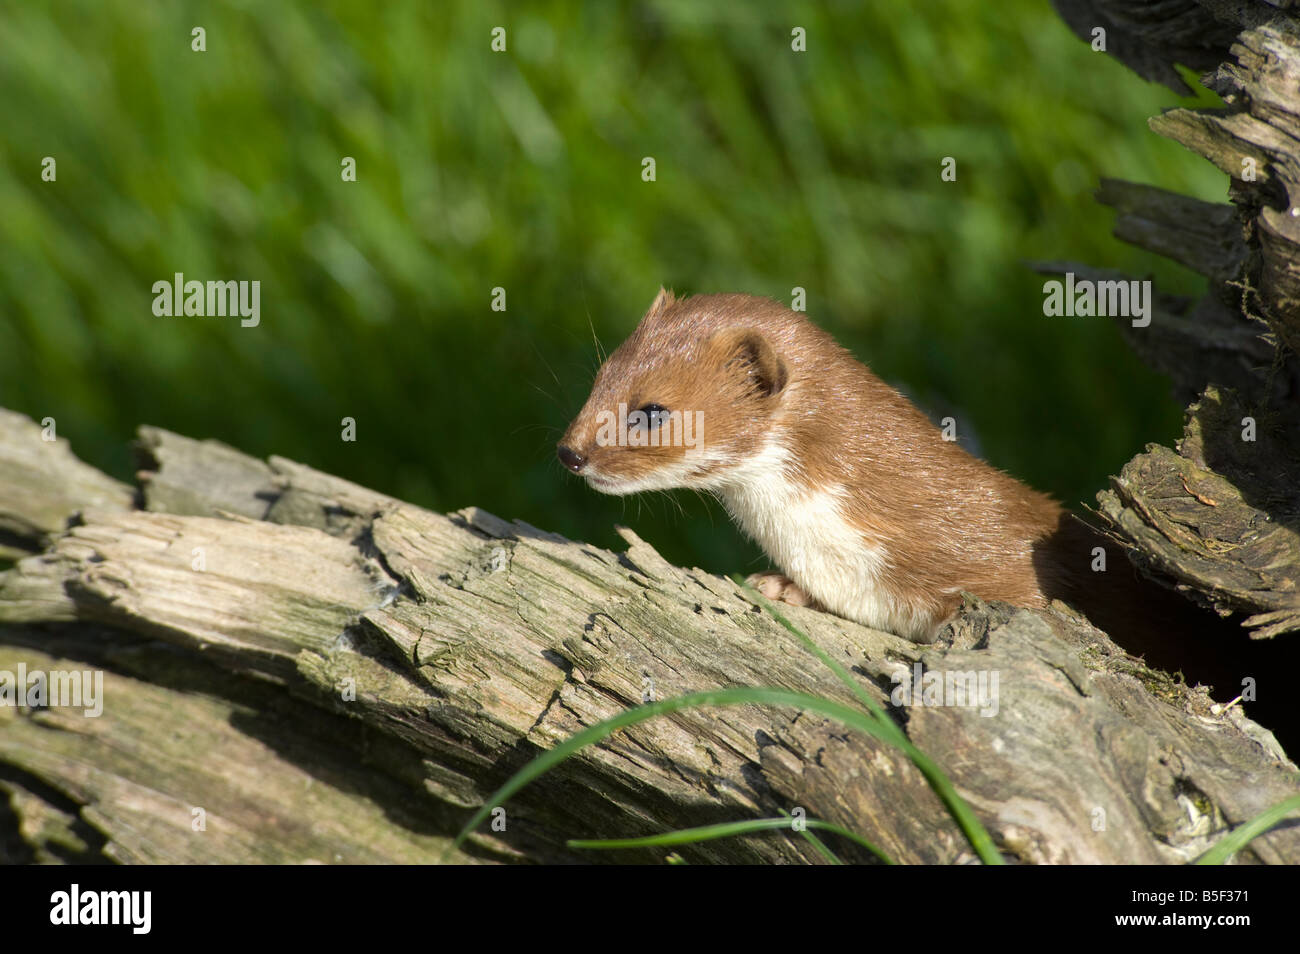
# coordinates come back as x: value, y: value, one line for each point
x: 472, y: 643
x: 1218, y: 516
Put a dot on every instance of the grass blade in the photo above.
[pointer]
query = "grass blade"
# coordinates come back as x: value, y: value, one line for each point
x: 1243, y: 835
x: 820, y: 845
x: 876, y: 723
x: 974, y: 831
x: 720, y: 697
x: 844, y: 675
x: 687, y: 836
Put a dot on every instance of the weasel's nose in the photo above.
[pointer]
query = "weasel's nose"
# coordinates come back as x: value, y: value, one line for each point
x: 571, y: 458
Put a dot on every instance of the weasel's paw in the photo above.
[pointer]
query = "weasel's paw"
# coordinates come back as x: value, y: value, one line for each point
x: 781, y: 589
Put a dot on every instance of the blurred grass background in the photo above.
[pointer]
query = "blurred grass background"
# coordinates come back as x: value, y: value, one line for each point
x: 522, y: 170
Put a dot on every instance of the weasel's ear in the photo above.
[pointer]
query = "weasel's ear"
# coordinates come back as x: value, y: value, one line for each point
x: 748, y: 352
x: 662, y: 301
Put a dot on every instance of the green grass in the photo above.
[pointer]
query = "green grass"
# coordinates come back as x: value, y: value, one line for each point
x: 692, y: 836
x: 1242, y: 835
x: 521, y: 170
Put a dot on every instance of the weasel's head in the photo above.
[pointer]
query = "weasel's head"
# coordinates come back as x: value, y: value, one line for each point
x: 687, y: 399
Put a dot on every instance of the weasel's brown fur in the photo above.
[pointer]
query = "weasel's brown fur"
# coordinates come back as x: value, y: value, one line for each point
x: 778, y: 394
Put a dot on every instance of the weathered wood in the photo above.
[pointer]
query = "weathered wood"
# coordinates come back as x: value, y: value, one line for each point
x: 1204, y: 236
x: 460, y: 645
x: 193, y: 766
x: 1255, y: 139
x: 1261, y: 124
x: 42, y: 498
x: 1151, y: 36
x: 1217, y: 517
x: 1203, y: 516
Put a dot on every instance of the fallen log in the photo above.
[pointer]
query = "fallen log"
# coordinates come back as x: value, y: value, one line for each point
x: 325, y: 673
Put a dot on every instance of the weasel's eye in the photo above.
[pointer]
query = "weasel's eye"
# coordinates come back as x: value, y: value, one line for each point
x: 649, y: 416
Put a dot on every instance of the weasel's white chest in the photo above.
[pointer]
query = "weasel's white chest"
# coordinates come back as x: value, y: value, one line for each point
x: 806, y: 535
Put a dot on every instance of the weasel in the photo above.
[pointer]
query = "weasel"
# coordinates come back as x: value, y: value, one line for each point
x: 858, y: 499
x: 852, y: 492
